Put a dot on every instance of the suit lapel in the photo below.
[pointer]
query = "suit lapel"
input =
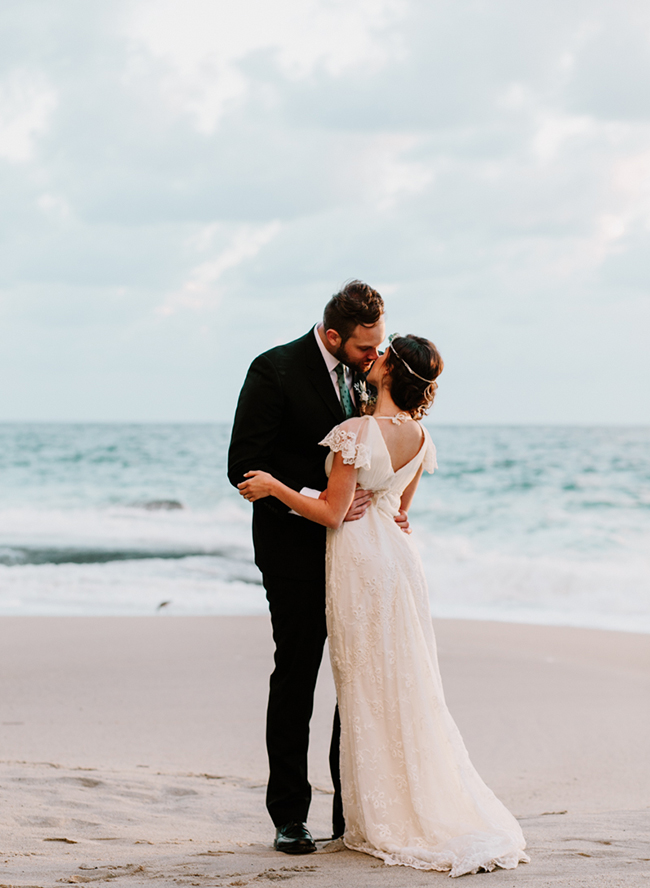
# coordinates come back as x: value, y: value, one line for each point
x: 320, y: 378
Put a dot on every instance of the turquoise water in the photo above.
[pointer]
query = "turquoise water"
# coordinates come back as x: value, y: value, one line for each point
x: 548, y: 525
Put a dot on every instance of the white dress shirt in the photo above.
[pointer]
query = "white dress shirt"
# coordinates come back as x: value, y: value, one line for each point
x: 332, y: 363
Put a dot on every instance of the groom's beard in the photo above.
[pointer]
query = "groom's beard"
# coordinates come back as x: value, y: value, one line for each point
x: 341, y: 355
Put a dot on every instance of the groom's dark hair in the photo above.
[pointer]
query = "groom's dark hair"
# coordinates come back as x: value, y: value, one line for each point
x: 355, y: 304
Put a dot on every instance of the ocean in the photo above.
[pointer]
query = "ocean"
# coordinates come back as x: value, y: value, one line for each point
x: 547, y: 525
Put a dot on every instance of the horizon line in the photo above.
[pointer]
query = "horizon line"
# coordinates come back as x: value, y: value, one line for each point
x: 427, y: 421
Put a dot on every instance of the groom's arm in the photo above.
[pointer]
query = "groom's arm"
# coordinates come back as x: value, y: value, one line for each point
x: 257, y: 423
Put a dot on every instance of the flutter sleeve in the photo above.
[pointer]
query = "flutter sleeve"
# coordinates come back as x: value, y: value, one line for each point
x: 429, y: 463
x: 344, y: 441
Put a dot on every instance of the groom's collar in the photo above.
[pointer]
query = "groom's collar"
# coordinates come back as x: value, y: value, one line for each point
x: 330, y: 361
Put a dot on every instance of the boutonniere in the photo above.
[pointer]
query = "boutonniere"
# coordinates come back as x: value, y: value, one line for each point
x: 366, y: 398
x: 361, y: 391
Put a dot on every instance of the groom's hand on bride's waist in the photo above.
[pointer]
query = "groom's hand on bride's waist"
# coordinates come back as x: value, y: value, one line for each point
x: 359, y: 505
x: 402, y: 521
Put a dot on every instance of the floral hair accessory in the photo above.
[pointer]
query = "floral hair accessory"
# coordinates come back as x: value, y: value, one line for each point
x: 395, y: 352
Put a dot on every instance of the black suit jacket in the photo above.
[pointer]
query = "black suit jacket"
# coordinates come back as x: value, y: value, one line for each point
x: 286, y: 406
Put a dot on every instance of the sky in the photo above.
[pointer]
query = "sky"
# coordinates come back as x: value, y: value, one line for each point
x: 185, y: 184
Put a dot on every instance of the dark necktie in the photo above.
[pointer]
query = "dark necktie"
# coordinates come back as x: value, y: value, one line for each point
x: 344, y: 391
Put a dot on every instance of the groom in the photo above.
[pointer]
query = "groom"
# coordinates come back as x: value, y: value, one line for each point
x: 292, y: 397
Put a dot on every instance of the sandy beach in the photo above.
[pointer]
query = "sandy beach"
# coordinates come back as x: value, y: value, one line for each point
x: 132, y: 751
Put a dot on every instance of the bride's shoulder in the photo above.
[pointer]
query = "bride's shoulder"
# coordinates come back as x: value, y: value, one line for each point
x: 353, y: 424
x: 348, y: 440
x: 348, y: 431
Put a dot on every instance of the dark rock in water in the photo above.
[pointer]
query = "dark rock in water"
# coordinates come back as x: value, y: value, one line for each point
x: 162, y: 505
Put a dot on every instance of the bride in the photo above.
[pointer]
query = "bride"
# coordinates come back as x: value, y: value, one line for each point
x: 410, y: 793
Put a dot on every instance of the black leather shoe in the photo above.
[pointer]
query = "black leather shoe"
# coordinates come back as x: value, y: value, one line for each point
x: 294, y: 838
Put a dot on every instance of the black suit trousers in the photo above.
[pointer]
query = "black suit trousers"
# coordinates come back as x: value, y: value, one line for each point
x: 299, y: 630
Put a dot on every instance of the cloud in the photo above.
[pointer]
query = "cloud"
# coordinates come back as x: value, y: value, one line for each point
x: 611, y: 67
x: 199, y: 46
x: 27, y: 102
x: 200, y: 288
x: 186, y: 184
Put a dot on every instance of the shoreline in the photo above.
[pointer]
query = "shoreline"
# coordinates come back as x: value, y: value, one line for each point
x: 511, y: 619
x: 133, y: 750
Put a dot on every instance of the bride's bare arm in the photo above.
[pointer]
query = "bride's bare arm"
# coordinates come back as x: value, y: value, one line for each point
x: 329, y: 511
x: 409, y: 492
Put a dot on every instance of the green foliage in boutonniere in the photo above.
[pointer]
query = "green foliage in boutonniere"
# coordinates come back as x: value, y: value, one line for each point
x: 366, y: 397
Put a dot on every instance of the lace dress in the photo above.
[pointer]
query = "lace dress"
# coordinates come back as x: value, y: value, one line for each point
x: 410, y: 793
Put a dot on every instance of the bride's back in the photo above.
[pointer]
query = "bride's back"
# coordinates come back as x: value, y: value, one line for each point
x: 403, y: 440
x: 380, y: 449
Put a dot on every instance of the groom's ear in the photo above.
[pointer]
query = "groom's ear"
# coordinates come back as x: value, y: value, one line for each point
x: 333, y: 338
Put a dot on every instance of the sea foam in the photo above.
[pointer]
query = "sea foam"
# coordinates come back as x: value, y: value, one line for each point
x: 518, y: 524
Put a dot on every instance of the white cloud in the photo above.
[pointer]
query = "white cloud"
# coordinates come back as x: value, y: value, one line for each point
x: 390, y: 173
x: 200, y: 288
x: 54, y: 206
x: 553, y: 131
x: 486, y: 162
x: 26, y: 105
x: 201, y: 44
x: 622, y: 211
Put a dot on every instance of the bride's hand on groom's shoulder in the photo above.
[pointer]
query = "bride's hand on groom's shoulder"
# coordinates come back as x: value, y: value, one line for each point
x: 402, y: 521
x: 257, y: 486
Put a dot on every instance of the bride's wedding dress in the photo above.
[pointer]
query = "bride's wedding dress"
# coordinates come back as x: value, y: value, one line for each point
x: 411, y: 796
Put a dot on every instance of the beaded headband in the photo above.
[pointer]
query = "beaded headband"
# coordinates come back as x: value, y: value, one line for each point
x: 395, y: 352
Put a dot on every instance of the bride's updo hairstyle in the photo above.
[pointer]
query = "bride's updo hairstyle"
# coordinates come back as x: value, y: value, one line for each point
x: 414, y: 364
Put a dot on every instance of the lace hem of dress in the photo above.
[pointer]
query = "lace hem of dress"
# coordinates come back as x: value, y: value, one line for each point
x: 344, y: 442
x: 445, y: 861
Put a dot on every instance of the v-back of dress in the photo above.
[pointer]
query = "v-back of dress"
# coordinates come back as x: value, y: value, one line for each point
x: 410, y: 793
